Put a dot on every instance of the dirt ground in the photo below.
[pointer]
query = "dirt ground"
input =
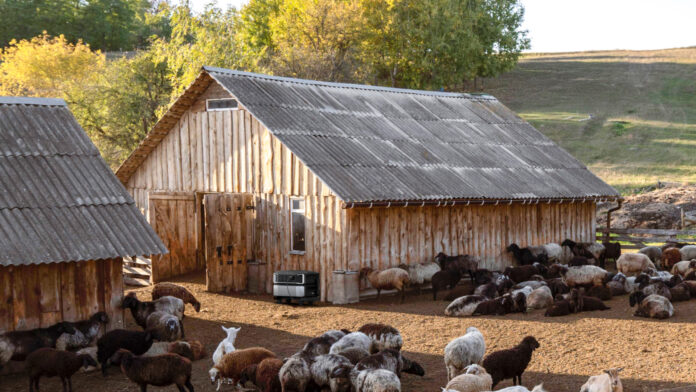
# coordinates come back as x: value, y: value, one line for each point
x: 655, y: 354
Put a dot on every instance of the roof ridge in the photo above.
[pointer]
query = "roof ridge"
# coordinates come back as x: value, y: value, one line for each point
x: 355, y: 86
x: 39, y: 101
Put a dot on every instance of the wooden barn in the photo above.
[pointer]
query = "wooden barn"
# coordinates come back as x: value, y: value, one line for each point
x: 66, y: 222
x: 301, y: 174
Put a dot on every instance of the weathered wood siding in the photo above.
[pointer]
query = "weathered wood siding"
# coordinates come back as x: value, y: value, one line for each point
x: 34, y: 296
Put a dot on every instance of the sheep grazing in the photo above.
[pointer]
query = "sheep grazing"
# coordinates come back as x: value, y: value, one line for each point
x: 464, y: 306
x: 226, y: 345
x: 85, y: 332
x: 136, y: 342
x: 600, y: 292
x: 351, y: 340
x: 231, y: 365
x: 164, y: 326
x: 16, y: 345
x: 681, y: 268
x: 355, y: 354
x: 50, y: 362
x: 459, y: 291
x: 524, y: 256
x: 540, y: 298
x: 391, y: 360
x: 389, y: 279
x: 524, y: 272
x: 489, y: 290
x: 331, y: 371
x: 510, y: 363
x: 375, y: 380
x: 688, y: 252
x: 609, y: 381
x: 653, y: 306
x: 629, y: 263
x: 141, y: 310
x: 165, y: 289
x: 585, y: 275
x: 445, y: 279
x: 295, y: 374
x: 653, y: 252
x: 475, y: 379
x: 264, y: 375
x: 670, y: 257
x: 420, y: 273
x: 319, y: 345
x: 613, y: 250
x: 463, y: 351
x: 383, y: 336
x: 160, y: 371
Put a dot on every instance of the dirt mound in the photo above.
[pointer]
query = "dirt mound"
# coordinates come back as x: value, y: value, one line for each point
x: 657, y: 209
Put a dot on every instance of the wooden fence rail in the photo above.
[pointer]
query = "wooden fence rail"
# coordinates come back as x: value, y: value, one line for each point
x: 639, y: 238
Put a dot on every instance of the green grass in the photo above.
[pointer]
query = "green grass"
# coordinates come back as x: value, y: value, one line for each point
x: 630, y: 116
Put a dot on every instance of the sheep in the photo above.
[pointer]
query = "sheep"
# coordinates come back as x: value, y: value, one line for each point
x: 295, y: 374
x: 524, y: 256
x: 560, y: 307
x: 498, y: 306
x: 600, y: 292
x: 538, y: 281
x: 510, y: 363
x: 551, y: 250
x: 445, y: 279
x: 391, y: 360
x: 670, y: 257
x: 688, y: 252
x: 160, y: 371
x: 692, y: 287
x: 662, y: 275
x: 680, y: 292
x: 653, y: 306
x: 524, y: 290
x: 648, y: 287
x: 475, y: 379
x: 389, y: 279
x: 482, y: 276
x: 319, y: 345
x: 461, y: 263
x: 16, y: 345
x: 335, y: 333
x: 193, y: 350
x: 673, y: 244
x: 331, y: 370
x: 383, y: 336
x: 375, y: 380
x: 519, y: 388
x: 504, y: 283
x: 231, y: 365
x: 459, y: 291
x: 613, y: 250
x: 557, y: 286
x: 50, y: 362
x: 226, y: 345
x: 136, y: 342
x: 633, y: 263
x: 524, y: 272
x: 354, y: 354
x: 420, y: 273
x: 489, y: 290
x: 91, y: 351
x: 464, y: 306
x: 617, y: 285
x: 165, y: 289
x: 607, y: 382
x: 353, y: 339
x: 591, y: 250
x: 653, y: 252
x: 85, y: 332
x: 578, y: 261
x: 264, y: 375
x: 590, y: 304
x: 585, y: 275
x: 142, y: 309
x: 164, y: 326
x: 540, y: 298
x: 682, y: 267
x: 463, y: 351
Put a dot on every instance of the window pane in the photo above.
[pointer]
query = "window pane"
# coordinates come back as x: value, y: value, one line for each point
x: 220, y: 104
x: 297, y: 204
x: 298, y: 231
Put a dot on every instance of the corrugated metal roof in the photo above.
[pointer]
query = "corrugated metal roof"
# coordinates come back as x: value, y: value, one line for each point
x: 371, y: 144
x: 59, y: 201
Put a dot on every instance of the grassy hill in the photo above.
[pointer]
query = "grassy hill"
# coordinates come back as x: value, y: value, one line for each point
x: 630, y: 116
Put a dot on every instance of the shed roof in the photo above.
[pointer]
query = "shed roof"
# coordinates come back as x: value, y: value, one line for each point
x: 378, y: 144
x: 59, y: 201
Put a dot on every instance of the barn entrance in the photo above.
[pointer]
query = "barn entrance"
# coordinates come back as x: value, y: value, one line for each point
x: 228, y: 233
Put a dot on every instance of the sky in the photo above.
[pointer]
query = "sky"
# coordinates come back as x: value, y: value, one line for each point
x: 579, y: 25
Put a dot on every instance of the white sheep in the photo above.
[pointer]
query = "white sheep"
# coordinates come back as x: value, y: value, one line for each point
x: 226, y: 345
x: 526, y: 290
x: 476, y: 379
x: 375, y: 380
x: 552, y: 250
x: 540, y: 298
x: 584, y: 275
x: 464, y: 306
x: 609, y: 381
x: 389, y: 279
x: 683, y: 267
x: 520, y: 388
x: 421, y: 273
x: 629, y: 263
x: 323, y: 368
x: 688, y: 252
x: 464, y: 351
x: 352, y: 340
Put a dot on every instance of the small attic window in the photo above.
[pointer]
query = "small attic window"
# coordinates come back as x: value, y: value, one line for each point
x: 212, y: 105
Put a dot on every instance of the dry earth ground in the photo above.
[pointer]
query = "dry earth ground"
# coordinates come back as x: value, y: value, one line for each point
x: 655, y: 354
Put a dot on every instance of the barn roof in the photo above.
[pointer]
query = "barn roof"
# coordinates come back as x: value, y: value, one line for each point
x: 378, y: 144
x: 59, y: 201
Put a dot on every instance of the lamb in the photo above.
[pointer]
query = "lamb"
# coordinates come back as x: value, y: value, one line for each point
x: 265, y: 375
x: 629, y: 263
x: 670, y: 257
x: 353, y: 339
x: 389, y: 279
x: 295, y: 374
x: 420, y: 273
x: 160, y: 370
x: 16, y: 345
x: 524, y: 272
x: 540, y: 298
x: 378, y: 380
x: 476, y: 379
x: 463, y: 351
x: 383, y: 336
x: 164, y: 326
x: 680, y: 292
x: 231, y: 365
x: 682, y: 267
x: 524, y: 256
x: 464, y: 306
x: 653, y: 306
x: 510, y: 363
x: 85, y: 332
x: 600, y: 292
x: 607, y: 382
x: 613, y: 250
x: 141, y: 310
x: 134, y: 341
x: 688, y: 252
x: 165, y: 289
x: 333, y: 371
x: 50, y: 362
x: 226, y: 345
x: 445, y: 279
x: 585, y: 275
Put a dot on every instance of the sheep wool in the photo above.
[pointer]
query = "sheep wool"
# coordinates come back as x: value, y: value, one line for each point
x: 389, y: 279
x: 378, y: 380
x: 164, y: 289
x: 295, y: 373
x: 540, y: 298
x: 383, y: 336
x: 464, y: 306
x: 476, y: 379
x: 352, y: 340
x: 629, y: 263
x: 688, y: 252
x: 464, y: 351
x: 232, y: 364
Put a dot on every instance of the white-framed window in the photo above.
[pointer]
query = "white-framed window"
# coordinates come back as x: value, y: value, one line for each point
x: 297, y: 225
x: 213, y: 105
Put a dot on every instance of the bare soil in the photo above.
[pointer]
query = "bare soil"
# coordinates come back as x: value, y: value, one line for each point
x: 657, y: 209
x: 655, y: 354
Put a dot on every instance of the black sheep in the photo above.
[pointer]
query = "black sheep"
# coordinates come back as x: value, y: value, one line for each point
x: 524, y: 272
x: 560, y: 307
x: 16, y: 345
x: 613, y: 250
x: 482, y: 276
x: 578, y: 261
x: 680, y: 292
x: 591, y: 303
x: 524, y: 256
x: 445, y: 279
x: 50, y: 362
x: 489, y: 290
x: 557, y: 286
x: 498, y: 306
x: 510, y: 363
x: 600, y: 292
x: 161, y: 370
x: 136, y: 342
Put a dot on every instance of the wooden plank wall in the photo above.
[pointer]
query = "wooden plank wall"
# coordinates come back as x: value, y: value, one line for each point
x: 38, y: 296
x: 173, y: 217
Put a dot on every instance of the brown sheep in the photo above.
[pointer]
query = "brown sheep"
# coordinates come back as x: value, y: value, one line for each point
x: 174, y: 290
x: 670, y: 257
x: 389, y: 279
x: 160, y: 371
x: 264, y: 375
x: 232, y: 364
x: 50, y: 362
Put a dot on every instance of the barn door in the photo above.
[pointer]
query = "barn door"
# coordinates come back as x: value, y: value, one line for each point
x: 228, y: 221
x: 172, y: 215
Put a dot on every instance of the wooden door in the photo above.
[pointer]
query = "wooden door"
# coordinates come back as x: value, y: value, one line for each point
x: 228, y: 222
x: 173, y: 216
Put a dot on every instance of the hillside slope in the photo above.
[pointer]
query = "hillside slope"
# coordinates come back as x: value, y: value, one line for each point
x: 630, y: 116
